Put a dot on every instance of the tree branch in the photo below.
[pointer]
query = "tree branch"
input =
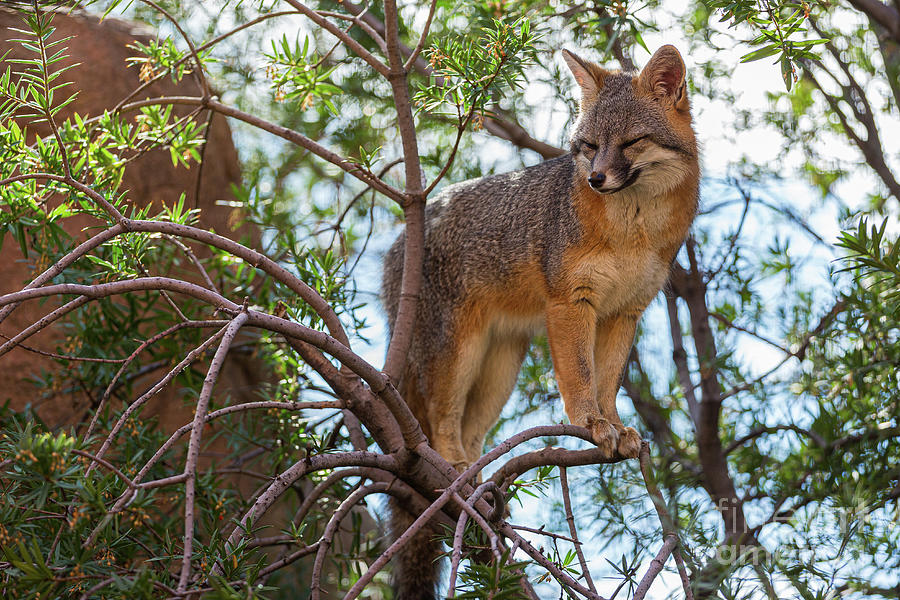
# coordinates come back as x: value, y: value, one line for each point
x: 193, y: 451
x: 691, y: 286
x: 340, y: 34
x: 498, y: 126
x: 885, y: 15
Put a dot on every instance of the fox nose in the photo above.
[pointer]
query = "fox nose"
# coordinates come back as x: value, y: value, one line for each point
x: 596, y: 180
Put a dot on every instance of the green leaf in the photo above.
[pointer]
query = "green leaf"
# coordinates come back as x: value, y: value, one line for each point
x: 787, y: 71
x: 764, y: 52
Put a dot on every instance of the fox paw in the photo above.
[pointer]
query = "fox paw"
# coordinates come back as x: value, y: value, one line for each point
x: 604, y: 435
x: 629, y: 442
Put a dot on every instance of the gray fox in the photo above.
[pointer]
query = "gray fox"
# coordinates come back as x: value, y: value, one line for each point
x: 577, y: 246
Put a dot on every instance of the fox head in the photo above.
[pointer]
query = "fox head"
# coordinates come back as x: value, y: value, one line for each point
x: 634, y: 131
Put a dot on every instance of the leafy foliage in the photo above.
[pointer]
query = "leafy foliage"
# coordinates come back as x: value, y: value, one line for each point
x: 875, y: 258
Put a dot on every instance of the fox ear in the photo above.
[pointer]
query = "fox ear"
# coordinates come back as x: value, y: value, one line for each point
x: 663, y: 77
x: 588, y: 75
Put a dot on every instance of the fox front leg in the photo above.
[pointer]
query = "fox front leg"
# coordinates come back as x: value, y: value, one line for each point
x: 615, y: 336
x: 572, y: 332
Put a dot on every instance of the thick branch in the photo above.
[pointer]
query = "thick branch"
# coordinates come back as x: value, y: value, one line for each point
x: 414, y: 208
x: 691, y: 286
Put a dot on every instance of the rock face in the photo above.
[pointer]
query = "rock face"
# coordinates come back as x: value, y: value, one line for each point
x: 103, y: 78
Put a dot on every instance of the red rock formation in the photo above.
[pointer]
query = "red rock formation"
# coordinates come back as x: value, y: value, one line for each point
x: 103, y: 78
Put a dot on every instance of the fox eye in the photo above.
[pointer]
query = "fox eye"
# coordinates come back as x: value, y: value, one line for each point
x: 592, y: 147
x: 633, y: 142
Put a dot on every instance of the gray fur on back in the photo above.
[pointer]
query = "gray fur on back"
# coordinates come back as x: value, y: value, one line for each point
x: 477, y: 233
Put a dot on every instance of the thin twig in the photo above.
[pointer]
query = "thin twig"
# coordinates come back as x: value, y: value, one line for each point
x: 43, y: 322
x: 191, y: 356
x: 456, y: 551
x: 127, y: 362
x: 656, y: 565
x: 559, y: 574
x: 570, y: 519
x: 331, y: 529
x: 418, y: 49
x: 543, y: 531
x: 665, y: 519
x: 204, y: 85
x: 323, y: 486
x: 111, y: 210
x: 193, y: 452
x: 345, y: 37
x: 194, y: 260
x: 353, y: 168
x: 467, y: 507
x: 110, y: 361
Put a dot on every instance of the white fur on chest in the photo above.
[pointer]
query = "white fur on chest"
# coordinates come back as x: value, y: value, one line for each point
x: 627, y: 273
x: 637, y: 215
x: 616, y: 281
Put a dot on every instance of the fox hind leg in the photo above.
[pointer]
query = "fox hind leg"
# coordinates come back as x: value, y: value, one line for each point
x: 453, y: 377
x: 491, y: 389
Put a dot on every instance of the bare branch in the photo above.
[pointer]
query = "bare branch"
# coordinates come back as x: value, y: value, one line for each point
x: 143, y: 398
x: 655, y: 567
x: 66, y: 357
x: 323, y: 486
x: 43, y: 322
x: 458, y: 483
x: 411, y: 60
x: 570, y: 519
x: 331, y: 529
x: 290, y: 558
x: 413, y: 208
x: 193, y: 452
x: 299, y: 469
x: 665, y: 519
x: 127, y: 362
x: 194, y: 260
x: 559, y: 574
